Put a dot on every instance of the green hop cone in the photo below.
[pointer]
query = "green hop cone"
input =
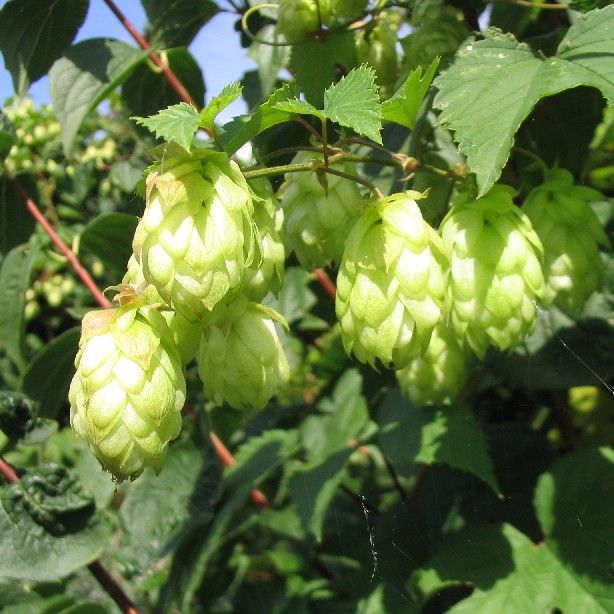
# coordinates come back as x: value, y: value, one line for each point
x: 128, y: 391
x: 495, y: 272
x: 318, y: 217
x: 346, y: 11
x: 440, y: 374
x: 391, y: 283
x: 185, y: 333
x: 241, y: 359
x: 571, y: 235
x: 296, y: 19
x: 196, y: 236
x: 268, y: 274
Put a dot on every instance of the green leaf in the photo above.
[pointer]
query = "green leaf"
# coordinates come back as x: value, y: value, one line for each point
x: 176, y: 23
x: 48, y: 527
x: 228, y: 95
x: 147, y: 91
x: 245, y: 127
x: 404, y: 105
x: 34, y: 35
x: 47, y: 377
x: 16, y: 223
x: 316, y: 63
x: 269, y: 58
x: 509, y: 572
x: 177, y: 123
x: 15, y: 276
x: 87, y: 73
x: 354, y: 103
x: 152, y: 520
x: 453, y: 436
x: 574, y: 502
x: 300, y: 107
x: 494, y: 84
x: 17, y: 414
x: 109, y: 237
x: 295, y: 299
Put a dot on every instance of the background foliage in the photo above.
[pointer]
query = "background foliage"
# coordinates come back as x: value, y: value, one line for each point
x: 500, y: 502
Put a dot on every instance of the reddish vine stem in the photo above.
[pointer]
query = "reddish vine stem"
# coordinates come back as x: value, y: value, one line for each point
x: 326, y: 282
x: 70, y: 256
x: 106, y: 580
x: 143, y: 43
x: 223, y: 453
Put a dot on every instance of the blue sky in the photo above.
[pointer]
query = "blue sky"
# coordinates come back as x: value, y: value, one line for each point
x: 216, y: 49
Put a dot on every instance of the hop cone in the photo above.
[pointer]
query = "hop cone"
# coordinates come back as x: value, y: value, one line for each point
x: 391, y: 284
x: 298, y: 18
x: 128, y: 390
x: 439, y: 375
x: 318, y: 218
x: 186, y: 334
x: 345, y: 11
x: 495, y: 275
x: 268, y: 274
x: 571, y: 234
x: 241, y: 360
x: 196, y: 236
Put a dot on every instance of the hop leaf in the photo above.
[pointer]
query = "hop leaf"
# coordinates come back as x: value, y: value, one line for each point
x: 391, y: 284
x: 128, y: 390
x: 571, y: 235
x: 495, y: 274
x: 241, y: 359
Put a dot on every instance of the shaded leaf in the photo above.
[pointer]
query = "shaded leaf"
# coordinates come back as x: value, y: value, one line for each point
x: 16, y: 223
x: 269, y: 58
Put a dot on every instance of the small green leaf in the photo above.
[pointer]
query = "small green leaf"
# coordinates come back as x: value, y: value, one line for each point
x: 47, y: 377
x: 453, y: 436
x: 295, y: 299
x: 87, y: 73
x: 245, y: 127
x: 34, y: 35
x: 177, y: 123
x: 300, y: 107
x: 404, y: 105
x: 228, y: 95
x: 354, y: 103
x: 15, y: 276
x: 109, y: 237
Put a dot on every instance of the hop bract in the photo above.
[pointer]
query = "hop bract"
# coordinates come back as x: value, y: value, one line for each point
x: 440, y: 374
x: 571, y: 235
x: 128, y: 390
x: 318, y: 217
x: 196, y: 236
x: 298, y: 18
x: 267, y: 274
x: 495, y: 273
x: 241, y: 359
x: 391, y: 284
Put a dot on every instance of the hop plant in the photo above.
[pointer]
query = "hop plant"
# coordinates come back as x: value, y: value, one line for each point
x: 571, y: 235
x: 298, y: 18
x: 318, y: 216
x: 440, y: 374
x: 241, y: 359
x: 128, y: 390
x: 391, y: 283
x: 196, y: 236
x: 495, y: 274
x: 268, y: 274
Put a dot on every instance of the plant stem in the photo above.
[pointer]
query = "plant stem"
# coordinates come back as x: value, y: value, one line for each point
x: 374, y: 189
x: 70, y: 256
x: 115, y: 591
x: 326, y: 282
x: 223, y: 453
x: 279, y: 170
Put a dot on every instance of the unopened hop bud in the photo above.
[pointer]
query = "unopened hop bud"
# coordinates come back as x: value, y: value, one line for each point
x: 267, y: 274
x: 241, y: 359
x: 319, y: 212
x: 440, y: 374
x: 391, y: 284
x: 495, y: 270
x: 298, y: 18
x: 128, y: 390
x: 571, y: 235
x: 196, y: 236
x: 185, y: 333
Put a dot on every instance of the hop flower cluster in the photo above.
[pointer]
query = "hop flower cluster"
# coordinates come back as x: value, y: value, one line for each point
x: 208, y: 246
